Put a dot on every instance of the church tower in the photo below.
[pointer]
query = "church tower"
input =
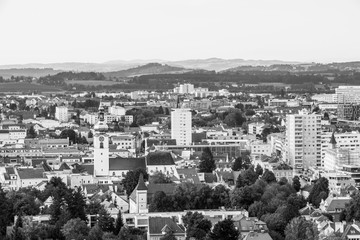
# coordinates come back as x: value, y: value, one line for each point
x: 138, y: 198
x: 101, y: 154
x: 101, y: 148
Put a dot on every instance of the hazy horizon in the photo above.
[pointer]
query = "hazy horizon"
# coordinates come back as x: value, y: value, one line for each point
x: 92, y: 31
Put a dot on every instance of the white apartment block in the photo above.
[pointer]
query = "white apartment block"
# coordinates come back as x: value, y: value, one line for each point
x: 256, y: 128
x: 338, y: 180
x: 117, y: 110
x: 181, y: 121
x: 348, y: 94
x: 325, y: 98
x: 303, y: 140
x: 61, y: 114
x: 259, y: 148
x: 129, y: 119
x: 348, y: 140
x: 186, y: 88
x: 124, y: 141
x: 336, y: 158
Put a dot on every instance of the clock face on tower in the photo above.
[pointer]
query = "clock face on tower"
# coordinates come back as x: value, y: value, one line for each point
x: 101, y: 138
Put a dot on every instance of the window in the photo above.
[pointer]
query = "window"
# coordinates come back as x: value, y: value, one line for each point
x: 101, y: 145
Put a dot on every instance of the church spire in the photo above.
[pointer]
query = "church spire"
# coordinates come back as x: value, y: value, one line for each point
x: 333, y: 140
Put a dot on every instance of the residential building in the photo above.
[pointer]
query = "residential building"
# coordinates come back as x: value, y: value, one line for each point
x: 303, y: 139
x: 181, y: 121
x: 347, y: 140
x: 348, y: 111
x: 338, y: 180
x: 348, y: 94
x: 61, y: 114
x: 256, y: 128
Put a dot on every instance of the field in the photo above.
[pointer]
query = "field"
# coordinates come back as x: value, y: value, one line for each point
x: 91, y: 82
x: 26, y: 87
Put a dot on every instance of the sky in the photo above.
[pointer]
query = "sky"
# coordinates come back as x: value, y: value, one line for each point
x: 48, y: 31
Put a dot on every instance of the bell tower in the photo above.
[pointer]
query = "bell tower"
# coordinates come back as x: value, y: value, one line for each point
x: 101, y: 154
x: 101, y: 148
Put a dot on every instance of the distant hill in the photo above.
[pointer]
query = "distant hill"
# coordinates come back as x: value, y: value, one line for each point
x: 211, y: 64
x: 219, y: 64
x: 147, y: 69
x: 28, y: 72
x: 132, y: 67
x: 303, y: 67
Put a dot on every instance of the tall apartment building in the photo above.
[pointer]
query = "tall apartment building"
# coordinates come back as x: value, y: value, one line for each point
x: 184, y: 88
x: 348, y: 111
x: 347, y: 140
x: 61, y: 114
x: 303, y: 140
x: 348, y: 94
x: 181, y: 121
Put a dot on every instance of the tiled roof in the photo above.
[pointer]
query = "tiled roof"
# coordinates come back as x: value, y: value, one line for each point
x: 210, y: 178
x: 189, y: 174
x: 159, y: 158
x: 156, y: 225
x: 337, y: 203
x: 130, y: 164
x: 30, y: 173
x: 167, y: 188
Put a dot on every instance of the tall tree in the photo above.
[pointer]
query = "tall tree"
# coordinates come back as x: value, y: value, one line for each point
x: 118, y: 223
x: 319, y: 192
x: 105, y: 221
x: 31, y: 132
x: 352, y: 209
x: 207, y: 163
x: 132, y: 178
x: 268, y: 176
x: 247, y: 177
x: 159, y: 177
x: 224, y: 230
x: 241, y: 163
x: 196, y: 225
x: 95, y: 233
x: 296, y: 183
x: 259, y: 170
x: 301, y: 229
x: 75, y: 229
x: 76, y: 204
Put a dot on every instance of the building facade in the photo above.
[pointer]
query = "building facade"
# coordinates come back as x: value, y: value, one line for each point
x: 181, y: 121
x: 303, y: 140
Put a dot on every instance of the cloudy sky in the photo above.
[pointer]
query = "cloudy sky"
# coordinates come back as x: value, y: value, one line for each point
x: 48, y: 31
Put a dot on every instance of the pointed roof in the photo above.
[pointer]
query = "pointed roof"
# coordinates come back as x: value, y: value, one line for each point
x: 140, y: 186
x: 332, y: 140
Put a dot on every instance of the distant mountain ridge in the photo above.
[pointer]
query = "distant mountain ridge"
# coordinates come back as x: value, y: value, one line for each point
x: 210, y: 64
x: 147, y: 69
x: 120, y: 68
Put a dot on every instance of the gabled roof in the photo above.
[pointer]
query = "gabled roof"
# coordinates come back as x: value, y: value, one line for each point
x: 307, y: 210
x: 139, y: 187
x: 167, y: 188
x: 30, y: 173
x: 337, y: 203
x: 64, y: 166
x: 210, y: 177
x: 157, y: 224
x: 159, y: 158
x: 130, y: 164
x: 189, y: 174
x: 350, y: 230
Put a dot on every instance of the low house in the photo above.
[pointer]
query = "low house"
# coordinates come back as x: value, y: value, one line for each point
x: 29, y: 177
x: 160, y: 226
